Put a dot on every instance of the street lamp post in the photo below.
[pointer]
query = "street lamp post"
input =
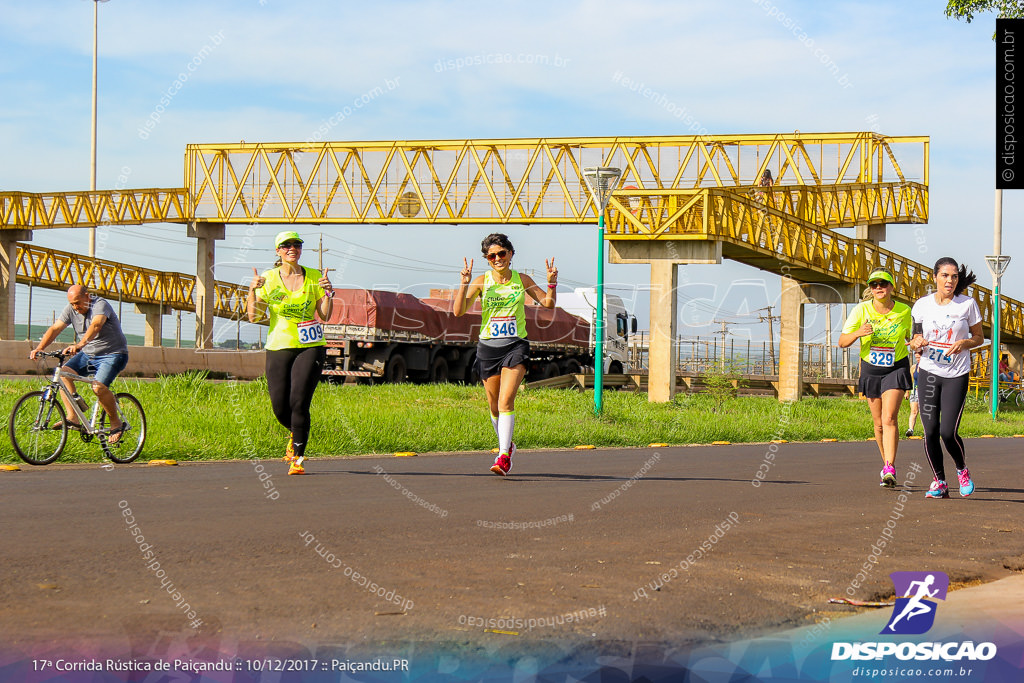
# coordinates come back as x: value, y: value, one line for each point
x: 601, y: 180
x: 92, y: 167
x: 997, y: 264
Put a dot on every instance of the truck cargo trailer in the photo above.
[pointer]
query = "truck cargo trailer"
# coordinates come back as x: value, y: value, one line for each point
x: 375, y: 335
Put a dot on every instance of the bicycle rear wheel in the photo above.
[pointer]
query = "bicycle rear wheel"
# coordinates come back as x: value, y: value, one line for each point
x: 30, y: 427
x: 129, y: 446
x: 1019, y: 398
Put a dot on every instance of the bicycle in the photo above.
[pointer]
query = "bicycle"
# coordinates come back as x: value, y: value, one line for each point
x: 1006, y: 392
x: 38, y: 426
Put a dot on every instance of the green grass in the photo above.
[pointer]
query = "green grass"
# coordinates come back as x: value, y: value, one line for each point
x: 193, y: 419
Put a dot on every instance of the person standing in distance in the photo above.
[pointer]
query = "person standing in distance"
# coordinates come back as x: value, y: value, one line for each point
x: 101, y: 348
x: 883, y: 327
x: 502, y: 350
x: 295, y: 296
x: 947, y: 325
x: 915, y: 406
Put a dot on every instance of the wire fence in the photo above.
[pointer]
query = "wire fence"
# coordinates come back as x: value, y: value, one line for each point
x: 707, y: 355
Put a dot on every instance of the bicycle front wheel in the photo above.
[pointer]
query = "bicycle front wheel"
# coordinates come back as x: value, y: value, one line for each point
x: 1019, y: 398
x: 129, y: 445
x: 32, y: 431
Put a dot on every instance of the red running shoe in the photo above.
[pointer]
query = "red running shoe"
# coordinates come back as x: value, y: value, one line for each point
x: 503, y: 463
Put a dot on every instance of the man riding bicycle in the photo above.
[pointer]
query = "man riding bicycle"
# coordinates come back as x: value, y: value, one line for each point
x: 101, y: 347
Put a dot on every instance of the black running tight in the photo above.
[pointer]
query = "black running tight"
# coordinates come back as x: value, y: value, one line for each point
x: 942, y: 404
x: 292, y: 376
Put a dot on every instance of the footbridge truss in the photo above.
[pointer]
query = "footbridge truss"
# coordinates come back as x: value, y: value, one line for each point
x: 783, y: 230
x: 57, y: 269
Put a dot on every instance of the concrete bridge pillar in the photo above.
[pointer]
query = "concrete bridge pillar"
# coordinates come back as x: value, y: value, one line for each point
x: 794, y: 295
x: 8, y: 275
x: 662, y: 358
x: 663, y: 256
x: 154, y: 323
x: 871, y: 233
x: 206, y: 235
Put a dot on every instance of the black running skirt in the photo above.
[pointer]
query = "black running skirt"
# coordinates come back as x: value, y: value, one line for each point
x: 491, y: 359
x: 875, y: 381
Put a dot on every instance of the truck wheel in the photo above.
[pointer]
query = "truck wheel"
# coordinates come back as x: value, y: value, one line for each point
x: 394, y: 371
x: 439, y: 371
x: 615, y: 368
x: 572, y: 367
x: 550, y: 370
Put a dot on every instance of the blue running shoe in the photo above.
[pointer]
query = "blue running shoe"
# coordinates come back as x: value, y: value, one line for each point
x: 938, y: 489
x: 966, y: 483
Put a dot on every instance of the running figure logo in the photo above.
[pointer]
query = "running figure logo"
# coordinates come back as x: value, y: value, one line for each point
x: 914, y: 612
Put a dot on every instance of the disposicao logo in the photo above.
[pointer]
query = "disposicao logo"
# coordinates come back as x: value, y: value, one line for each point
x: 914, y: 613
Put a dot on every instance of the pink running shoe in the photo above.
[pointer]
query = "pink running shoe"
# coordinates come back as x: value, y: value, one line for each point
x: 888, y: 477
x: 938, y: 489
x: 966, y: 483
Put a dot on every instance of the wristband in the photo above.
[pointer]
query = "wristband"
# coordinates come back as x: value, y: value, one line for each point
x: 552, y: 285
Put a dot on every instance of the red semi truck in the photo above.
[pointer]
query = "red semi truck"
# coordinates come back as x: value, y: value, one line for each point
x: 395, y: 337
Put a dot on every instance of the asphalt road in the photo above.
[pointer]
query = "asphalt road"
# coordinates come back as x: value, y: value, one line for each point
x: 686, y: 551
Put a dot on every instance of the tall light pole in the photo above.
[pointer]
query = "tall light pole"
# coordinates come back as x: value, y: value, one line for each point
x: 997, y: 265
x: 92, y: 167
x: 601, y: 180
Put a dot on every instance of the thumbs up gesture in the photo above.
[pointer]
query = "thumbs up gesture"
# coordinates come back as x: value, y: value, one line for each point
x: 257, y: 280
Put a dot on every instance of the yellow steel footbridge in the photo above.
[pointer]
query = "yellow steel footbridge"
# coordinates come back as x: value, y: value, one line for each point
x: 676, y: 193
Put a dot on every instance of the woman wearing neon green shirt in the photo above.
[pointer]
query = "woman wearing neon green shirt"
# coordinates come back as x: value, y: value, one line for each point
x: 883, y: 326
x: 295, y: 295
x: 502, y: 350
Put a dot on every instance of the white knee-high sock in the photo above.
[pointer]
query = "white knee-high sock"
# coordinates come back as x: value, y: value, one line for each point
x: 494, y: 423
x: 506, y: 424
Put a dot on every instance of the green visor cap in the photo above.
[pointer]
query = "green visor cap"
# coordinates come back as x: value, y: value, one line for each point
x: 285, y: 236
x: 880, y: 275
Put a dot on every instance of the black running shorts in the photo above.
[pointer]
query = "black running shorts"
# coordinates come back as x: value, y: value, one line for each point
x: 491, y: 359
x: 875, y: 381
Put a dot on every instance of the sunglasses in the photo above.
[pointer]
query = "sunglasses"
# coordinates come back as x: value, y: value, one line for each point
x: 289, y: 245
x: 878, y: 284
x: 496, y: 255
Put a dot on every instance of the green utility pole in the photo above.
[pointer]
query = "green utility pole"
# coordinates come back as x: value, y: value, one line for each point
x: 602, y: 180
x: 997, y: 264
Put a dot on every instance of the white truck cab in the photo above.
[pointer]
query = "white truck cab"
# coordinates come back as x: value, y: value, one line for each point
x: 618, y: 324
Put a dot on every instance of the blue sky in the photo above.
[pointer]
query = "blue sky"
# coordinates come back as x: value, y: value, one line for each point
x: 276, y: 71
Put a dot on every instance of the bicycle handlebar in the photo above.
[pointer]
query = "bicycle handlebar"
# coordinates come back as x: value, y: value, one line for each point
x: 51, y: 354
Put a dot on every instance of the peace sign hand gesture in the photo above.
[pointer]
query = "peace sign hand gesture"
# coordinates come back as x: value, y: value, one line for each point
x: 467, y: 271
x: 552, y: 271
